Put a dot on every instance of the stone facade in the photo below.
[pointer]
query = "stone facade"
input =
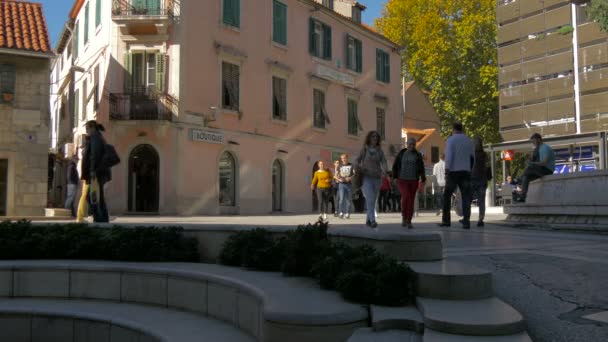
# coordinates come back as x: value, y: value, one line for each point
x: 24, y: 136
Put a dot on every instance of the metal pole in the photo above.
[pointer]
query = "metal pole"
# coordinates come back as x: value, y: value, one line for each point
x: 493, y: 166
x: 577, y: 97
x: 602, y: 150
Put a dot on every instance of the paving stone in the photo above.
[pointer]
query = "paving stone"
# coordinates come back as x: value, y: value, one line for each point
x: 369, y: 335
x: 399, y: 318
x: 484, y: 317
x: 435, y: 336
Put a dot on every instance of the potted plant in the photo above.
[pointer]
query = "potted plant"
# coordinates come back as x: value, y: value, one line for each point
x: 8, y: 96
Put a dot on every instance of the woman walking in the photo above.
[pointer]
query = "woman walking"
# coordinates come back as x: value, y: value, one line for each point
x: 322, y: 181
x: 96, y: 175
x: 372, y: 165
x: 408, y: 169
x: 479, y: 179
x: 83, y: 203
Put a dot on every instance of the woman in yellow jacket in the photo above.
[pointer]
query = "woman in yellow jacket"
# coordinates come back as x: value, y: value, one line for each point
x: 322, y: 181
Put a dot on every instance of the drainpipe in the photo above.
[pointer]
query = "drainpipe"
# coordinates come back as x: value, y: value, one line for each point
x: 577, y: 95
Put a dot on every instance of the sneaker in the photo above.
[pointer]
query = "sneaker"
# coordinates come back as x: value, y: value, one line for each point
x: 374, y: 224
x: 341, y: 215
x: 410, y: 226
x: 324, y: 216
x: 347, y: 215
x: 336, y: 214
x: 438, y: 213
x: 403, y: 223
x: 368, y: 223
x: 480, y: 224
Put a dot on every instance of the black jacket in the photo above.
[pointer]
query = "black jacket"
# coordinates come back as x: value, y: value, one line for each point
x: 92, y: 157
x: 73, y: 173
x: 419, y: 165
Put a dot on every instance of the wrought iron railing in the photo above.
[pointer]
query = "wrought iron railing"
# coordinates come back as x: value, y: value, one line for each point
x: 139, y: 106
x: 142, y: 7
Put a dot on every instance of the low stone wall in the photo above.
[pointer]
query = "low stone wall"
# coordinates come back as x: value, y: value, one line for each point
x: 568, y: 199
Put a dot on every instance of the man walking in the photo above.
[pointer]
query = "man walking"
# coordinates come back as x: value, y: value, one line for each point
x: 72, y: 180
x: 439, y: 182
x: 459, y: 159
x: 542, y: 164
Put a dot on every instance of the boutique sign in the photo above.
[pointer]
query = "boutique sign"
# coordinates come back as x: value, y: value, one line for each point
x: 206, y: 136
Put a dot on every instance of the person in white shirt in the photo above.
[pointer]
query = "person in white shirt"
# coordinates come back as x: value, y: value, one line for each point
x: 439, y: 182
x: 459, y: 159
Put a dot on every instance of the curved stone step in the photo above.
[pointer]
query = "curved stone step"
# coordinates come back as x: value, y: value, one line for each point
x: 452, y: 280
x: 368, y: 335
x: 435, y: 336
x: 398, y: 318
x: 483, y: 317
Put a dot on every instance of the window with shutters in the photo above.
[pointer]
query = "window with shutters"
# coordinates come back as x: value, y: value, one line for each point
x: 96, y: 89
x: 279, y: 22
x: 328, y: 3
x: 145, y: 72
x: 230, y: 86
x: 86, y: 23
x: 76, y: 33
x: 7, y: 82
x: 354, y: 54
x: 319, y: 39
x: 381, y: 122
x: 232, y: 13
x: 354, y: 125
x: 356, y: 14
x: 84, y: 100
x: 279, y: 98
x: 76, y: 111
x: 320, y: 116
x: 383, y: 69
x: 97, y: 13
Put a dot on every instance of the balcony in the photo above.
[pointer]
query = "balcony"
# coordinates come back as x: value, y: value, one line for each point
x: 143, y: 17
x: 140, y: 106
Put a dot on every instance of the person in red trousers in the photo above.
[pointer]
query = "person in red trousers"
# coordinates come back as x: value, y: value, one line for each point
x: 408, y: 170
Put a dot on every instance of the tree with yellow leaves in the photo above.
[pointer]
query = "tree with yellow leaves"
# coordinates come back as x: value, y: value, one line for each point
x: 450, y: 49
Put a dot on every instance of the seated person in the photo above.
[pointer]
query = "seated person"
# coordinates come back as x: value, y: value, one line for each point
x: 542, y: 164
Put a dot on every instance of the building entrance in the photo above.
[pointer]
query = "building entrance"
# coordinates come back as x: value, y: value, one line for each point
x: 277, y: 186
x: 3, y: 186
x: 143, y: 180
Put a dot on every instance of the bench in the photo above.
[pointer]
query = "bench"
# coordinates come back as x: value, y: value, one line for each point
x: 265, y: 305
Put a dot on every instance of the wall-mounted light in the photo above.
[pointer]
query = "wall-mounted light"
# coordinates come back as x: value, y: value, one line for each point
x: 282, y: 151
x: 233, y: 142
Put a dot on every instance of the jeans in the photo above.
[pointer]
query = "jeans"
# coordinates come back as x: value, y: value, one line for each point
x: 531, y: 173
x: 478, y: 188
x: 324, y: 194
x: 100, y: 210
x: 71, y: 198
x: 371, y: 188
x: 408, y: 197
x: 439, y: 196
x: 345, y: 192
x: 462, y: 180
x: 384, y: 201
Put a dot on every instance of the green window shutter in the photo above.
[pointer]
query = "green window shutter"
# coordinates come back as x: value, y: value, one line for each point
x: 76, y: 40
x: 311, y: 37
x: 358, y: 56
x: 86, y: 23
x: 379, y: 65
x: 161, y: 66
x: 346, y: 47
x: 232, y: 12
x: 97, y: 13
x: 279, y: 22
x: 387, y: 68
x: 153, y: 7
x: 326, y: 42
x: 128, y: 65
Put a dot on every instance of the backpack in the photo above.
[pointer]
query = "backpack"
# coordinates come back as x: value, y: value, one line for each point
x: 110, y: 157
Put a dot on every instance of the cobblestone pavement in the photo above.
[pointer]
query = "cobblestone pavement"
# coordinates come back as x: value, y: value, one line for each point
x: 552, y: 278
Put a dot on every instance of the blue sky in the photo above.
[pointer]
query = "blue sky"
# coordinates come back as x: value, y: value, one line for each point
x: 56, y: 12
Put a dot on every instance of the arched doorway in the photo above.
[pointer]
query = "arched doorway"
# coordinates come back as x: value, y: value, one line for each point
x: 277, y: 186
x: 227, y: 173
x: 143, y: 180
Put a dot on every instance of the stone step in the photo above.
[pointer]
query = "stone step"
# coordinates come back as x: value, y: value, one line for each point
x: 435, y: 336
x: 482, y: 317
x: 398, y: 318
x: 369, y: 335
x: 451, y: 280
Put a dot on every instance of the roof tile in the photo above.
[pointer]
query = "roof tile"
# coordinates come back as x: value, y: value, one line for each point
x: 23, y: 27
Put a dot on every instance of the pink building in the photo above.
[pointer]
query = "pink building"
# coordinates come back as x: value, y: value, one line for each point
x: 224, y: 106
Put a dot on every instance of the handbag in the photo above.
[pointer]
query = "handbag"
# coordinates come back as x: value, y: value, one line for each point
x: 357, y: 179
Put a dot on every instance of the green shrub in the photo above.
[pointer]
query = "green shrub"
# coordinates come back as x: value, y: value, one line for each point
x: 566, y: 29
x: 256, y: 249
x: 304, y: 248
x: 357, y: 286
x: 394, y: 284
x: 22, y: 240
